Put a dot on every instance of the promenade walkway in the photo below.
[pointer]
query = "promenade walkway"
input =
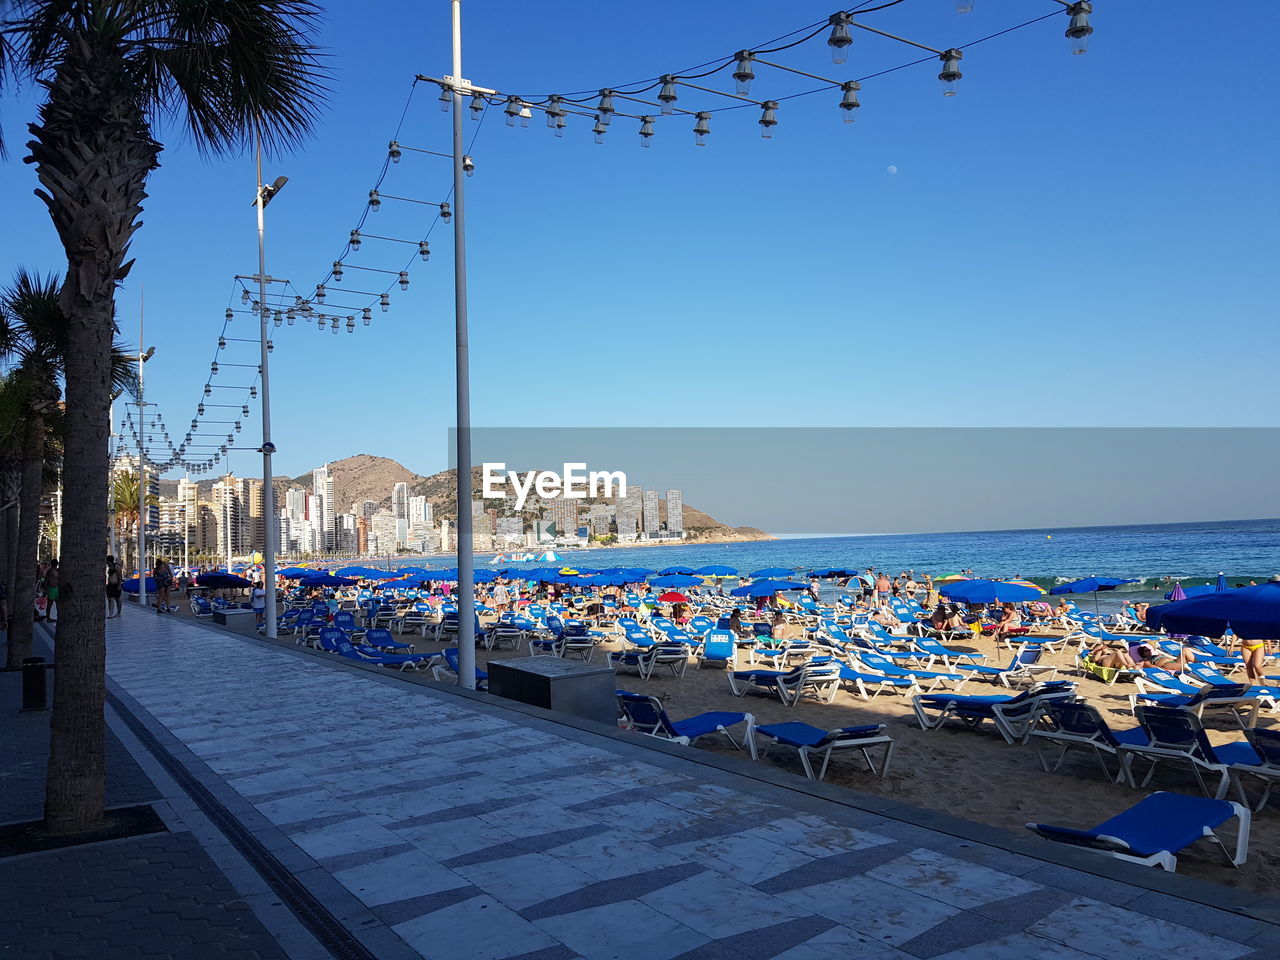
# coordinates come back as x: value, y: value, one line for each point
x: 412, y: 821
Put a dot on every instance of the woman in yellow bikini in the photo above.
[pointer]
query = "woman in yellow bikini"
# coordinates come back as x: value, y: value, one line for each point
x: 1254, y: 653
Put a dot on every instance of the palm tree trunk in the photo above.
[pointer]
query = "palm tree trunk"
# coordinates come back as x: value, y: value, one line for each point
x: 24, y: 579
x: 93, y: 154
x: 10, y: 490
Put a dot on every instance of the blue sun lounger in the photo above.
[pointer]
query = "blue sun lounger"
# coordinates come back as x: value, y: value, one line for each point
x: 1024, y: 666
x: 1234, y: 698
x: 646, y: 715
x: 1179, y: 736
x: 1266, y: 743
x: 1013, y: 716
x: 808, y: 740
x: 1075, y: 725
x: 451, y: 664
x: 1156, y: 828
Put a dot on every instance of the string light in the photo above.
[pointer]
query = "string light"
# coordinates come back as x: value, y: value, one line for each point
x: 841, y: 39
x: 849, y: 103
x: 1080, y: 30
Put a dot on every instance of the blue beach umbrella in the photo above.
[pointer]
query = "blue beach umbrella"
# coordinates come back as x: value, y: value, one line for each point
x: 676, y: 580
x: 635, y: 574
x: 833, y: 573
x: 131, y: 586
x: 1088, y: 585
x: 1200, y: 591
x: 666, y: 571
x: 1222, y: 582
x: 293, y: 573
x: 328, y: 580
x: 716, y: 570
x: 767, y: 588
x: 989, y: 591
x: 770, y: 572
x: 222, y: 581
x: 1251, y: 613
x: 604, y: 580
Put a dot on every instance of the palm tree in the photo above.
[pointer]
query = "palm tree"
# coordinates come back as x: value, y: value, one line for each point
x: 124, y: 500
x: 34, y: 328
x: 11, y: 429
x: 108, y: 69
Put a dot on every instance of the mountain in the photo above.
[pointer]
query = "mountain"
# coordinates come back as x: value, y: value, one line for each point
x: 362, y: 477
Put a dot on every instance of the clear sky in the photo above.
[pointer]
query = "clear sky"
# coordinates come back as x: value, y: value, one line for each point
x: 1084, y: 241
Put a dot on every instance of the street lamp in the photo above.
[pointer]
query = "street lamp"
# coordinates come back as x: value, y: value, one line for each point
x: 263, y: 197
x: 142, y: 472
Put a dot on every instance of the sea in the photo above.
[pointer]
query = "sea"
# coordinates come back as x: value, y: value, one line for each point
x: 1155, y: 555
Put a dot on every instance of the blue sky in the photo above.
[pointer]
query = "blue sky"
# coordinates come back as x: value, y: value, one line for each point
x: 1071, y: 241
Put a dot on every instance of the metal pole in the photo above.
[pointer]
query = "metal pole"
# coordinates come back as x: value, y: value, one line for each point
x: 142, y: 466
x: 268, y: 491
x: 226, y: 503
x: 466, y: 574
x: 115, y: 453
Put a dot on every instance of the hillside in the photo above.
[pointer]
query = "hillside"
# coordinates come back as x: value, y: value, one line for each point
x: 362, y: 477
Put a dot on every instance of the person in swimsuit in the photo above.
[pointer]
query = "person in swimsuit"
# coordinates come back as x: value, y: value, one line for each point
x: 1254, y: 653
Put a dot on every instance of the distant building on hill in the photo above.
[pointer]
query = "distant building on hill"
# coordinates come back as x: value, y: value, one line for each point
x: 675, y: 513
x: 651, y: 519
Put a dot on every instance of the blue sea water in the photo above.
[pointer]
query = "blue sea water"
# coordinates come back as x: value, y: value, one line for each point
x: 1154, y: 553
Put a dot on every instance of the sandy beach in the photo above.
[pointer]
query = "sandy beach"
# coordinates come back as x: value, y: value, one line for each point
x: 974, y: 775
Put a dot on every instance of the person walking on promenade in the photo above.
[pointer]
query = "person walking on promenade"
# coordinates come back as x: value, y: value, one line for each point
x: 114, y: 579
x: 259, y: 602
x: 163, y: 574
x: 51, y: 590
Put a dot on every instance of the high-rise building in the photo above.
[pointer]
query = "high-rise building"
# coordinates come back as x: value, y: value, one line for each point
x: 382, y: 533
x: 229, y: 514
x: 367, y: 509
x: 675, y: 513
x: 650, y: 520
x: 509, y: 530
x: 346, y: 533
x: 564, y: 514
x: 189, y: 498
x: 324, y: 510
x: 296, y: 505
x: 172, y: 530
x: 600, y: 517
x: 255, y: 520
x: 628, y: 512
x: 362, y: 534
x: 400, y: 501
x: 419, y: 510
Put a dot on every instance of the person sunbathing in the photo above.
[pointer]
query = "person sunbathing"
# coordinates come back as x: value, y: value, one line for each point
x: 1146, y: 655
x: 1009, y: 622
x: 1103, y: 655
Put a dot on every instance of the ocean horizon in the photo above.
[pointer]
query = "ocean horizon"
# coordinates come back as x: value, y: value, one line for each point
x: 1154, y: 555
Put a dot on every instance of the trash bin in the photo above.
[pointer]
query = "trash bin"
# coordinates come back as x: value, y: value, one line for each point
x: 35, y: 694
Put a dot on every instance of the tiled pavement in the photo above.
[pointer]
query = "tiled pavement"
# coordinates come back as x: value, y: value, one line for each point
x: 158, y: 895
x: 474, y: 831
